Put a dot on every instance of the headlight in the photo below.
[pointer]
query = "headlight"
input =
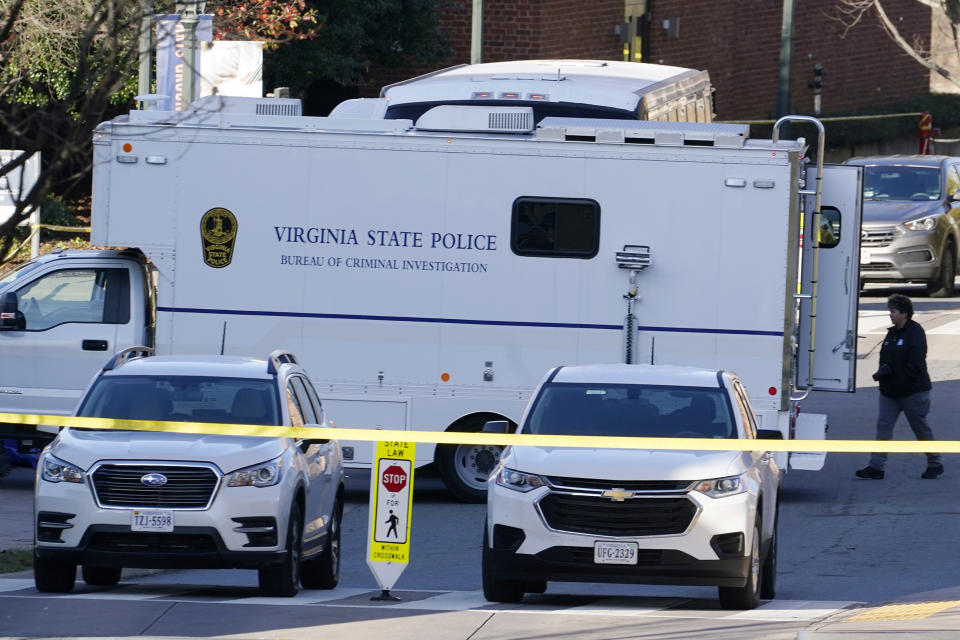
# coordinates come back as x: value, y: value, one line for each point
x: 518, y: 480
x: 923, y: 224
x: 261, y: 475
x: 723, y: 487
x: 53, y: 469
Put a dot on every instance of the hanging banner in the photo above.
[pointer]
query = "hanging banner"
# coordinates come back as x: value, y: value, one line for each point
x: 171, y: 68
x: 391, y: 506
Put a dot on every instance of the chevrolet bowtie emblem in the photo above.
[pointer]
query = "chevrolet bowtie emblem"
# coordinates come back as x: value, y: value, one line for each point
x: 617, y: 495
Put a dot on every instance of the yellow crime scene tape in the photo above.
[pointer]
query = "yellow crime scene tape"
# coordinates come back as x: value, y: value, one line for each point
x: 504, y: 439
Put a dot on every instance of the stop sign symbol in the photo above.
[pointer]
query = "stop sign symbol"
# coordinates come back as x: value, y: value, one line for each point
x: 394, y: 478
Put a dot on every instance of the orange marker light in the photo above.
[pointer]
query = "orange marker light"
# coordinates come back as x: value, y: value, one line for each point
x: 127, y: 147
x: 445, y: 377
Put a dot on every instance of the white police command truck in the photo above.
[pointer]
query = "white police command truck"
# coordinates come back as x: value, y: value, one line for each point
x: 428, y: 271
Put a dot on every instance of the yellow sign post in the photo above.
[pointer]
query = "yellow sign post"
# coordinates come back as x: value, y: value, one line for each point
x: 391, y: 506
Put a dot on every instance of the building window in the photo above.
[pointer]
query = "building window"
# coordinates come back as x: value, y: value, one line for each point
x: 555, y: 227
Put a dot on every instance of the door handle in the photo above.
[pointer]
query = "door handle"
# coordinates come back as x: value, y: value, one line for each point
x: 94, y: 345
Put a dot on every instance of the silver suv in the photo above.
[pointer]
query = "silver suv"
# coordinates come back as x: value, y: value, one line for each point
x: 911, y: 220
x: 107, y: 499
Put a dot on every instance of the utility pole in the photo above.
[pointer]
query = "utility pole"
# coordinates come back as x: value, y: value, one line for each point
x: 786, y: 59
x: 146, y: 49
x: 190, y: 11
x: 476, y: 33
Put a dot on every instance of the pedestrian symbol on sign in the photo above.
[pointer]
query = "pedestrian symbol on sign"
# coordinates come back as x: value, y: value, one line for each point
x: 392, y: 521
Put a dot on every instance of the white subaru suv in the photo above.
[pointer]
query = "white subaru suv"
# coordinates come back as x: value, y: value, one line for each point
x: 630, y: 515
x: 108, y: 499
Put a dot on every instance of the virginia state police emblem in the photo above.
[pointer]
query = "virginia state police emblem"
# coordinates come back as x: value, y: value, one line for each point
x: 218, y: 229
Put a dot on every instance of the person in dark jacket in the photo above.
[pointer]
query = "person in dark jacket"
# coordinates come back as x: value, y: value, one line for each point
x: 904, y: 385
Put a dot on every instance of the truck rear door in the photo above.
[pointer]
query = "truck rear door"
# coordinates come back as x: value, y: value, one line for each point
x: 838, y: 274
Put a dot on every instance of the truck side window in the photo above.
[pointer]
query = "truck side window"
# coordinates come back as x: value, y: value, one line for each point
x: 303, y: 401
x: 293, y: 406
x: 953, y: 180
x: 749, y: 421
x: 76, y: 295
x: 555, y: 227
x: 829, y: 227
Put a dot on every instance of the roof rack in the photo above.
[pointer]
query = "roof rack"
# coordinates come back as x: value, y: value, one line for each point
x: 130, y: 353
x: 278, y: 358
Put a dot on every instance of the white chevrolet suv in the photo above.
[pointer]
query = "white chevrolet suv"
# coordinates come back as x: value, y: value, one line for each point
x: 108, y: 499
x: 631, y: 515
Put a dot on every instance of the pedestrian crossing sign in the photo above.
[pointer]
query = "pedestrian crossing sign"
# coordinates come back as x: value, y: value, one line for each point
x: 391, y: 490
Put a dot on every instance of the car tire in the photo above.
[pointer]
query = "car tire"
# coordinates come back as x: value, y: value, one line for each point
x: 466, y: 467
x: 53, y: 576
x: 747, y: 596
x: 101, y: 576
x: 494, y: 589
x: 942, y: 286
x: 768, y: 576
x: 323, y: 572
x: 282, y: 580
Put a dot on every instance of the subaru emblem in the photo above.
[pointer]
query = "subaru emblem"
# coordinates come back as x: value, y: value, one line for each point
x: 154, y: 479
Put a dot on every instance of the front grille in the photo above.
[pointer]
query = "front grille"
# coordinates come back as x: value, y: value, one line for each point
x: 152, y: 542
x: 627, y: 485
x: 603, y: 517
x: 877, y: 236
x: 187, y: 487
x: 877, y: 266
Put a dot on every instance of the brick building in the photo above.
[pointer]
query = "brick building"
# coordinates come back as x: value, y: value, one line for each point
x: 737, y: 42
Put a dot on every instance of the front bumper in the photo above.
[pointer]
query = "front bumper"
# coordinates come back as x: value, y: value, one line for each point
x: 914, y: 257
x: 662, y: 566
x: 71, y: 526
x: 525, y: 547
x: 184, y: 548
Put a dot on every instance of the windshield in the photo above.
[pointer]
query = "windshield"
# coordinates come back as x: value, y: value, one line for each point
x: 886, y: 182
x: 18, y: 272
x: 183, y: 399
x: 631, y: 410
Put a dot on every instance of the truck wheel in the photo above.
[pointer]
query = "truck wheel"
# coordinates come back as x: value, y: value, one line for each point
x: 51, y: 576
x: 942, y: 285
x: 283, y: 580
x: 324, y: 571
x: 768, y: 576
x: 496, y: 590
x: 466, y: 467
x: 747, y: 596
x: 101, y: 576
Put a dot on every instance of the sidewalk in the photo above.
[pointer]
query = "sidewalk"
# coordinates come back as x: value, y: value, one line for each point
x: 929, y: 615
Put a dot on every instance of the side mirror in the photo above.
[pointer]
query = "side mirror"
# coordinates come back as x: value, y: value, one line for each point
x: 769, y: 434
x: 496, y: 426
x: 11, y: 319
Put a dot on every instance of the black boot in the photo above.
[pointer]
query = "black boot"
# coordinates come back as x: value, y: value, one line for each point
x: 933, y: 471
x: 871, y: 473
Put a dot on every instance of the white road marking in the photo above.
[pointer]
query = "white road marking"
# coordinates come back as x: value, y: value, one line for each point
x: 787, y: 610
x: 951, y: 328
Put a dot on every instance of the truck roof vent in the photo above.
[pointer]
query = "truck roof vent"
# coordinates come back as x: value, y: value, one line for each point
x: 477, y: 119
x: 674, y: 134
x: 279, y: 107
